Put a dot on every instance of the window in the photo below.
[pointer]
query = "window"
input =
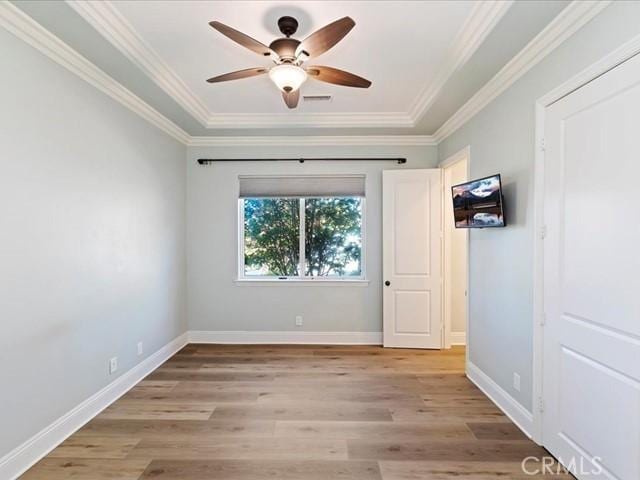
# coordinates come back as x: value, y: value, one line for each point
x: 305, y: 228
x: 271, y: 237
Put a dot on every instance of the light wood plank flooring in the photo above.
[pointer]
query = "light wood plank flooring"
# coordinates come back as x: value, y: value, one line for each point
x: 239, y: 412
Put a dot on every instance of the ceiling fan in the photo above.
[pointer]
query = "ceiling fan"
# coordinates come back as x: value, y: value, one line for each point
x: 289, y: 55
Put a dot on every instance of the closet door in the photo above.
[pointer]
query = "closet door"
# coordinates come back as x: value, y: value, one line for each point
x: 591, y: 384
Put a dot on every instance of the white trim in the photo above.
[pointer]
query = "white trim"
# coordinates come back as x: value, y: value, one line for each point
x: 342, y: 140
x: 570, y: 20
x: 463, y: 154
x: 16, y: 462
x: 300, y: 338
x: 621, y: 54
x: 538, y: 270
x: 240, y: 227
x: 505, y: 402
x: 457, y: 338
x: 28, y: 30
x: 613, y: 59
x: 302, y: 279
x: 31, y: 32
x: 364, y: 244
x: 108, y: 21
x: 484, y: 16
x: 453, y: 338
x: 302, y: 236
x: 311, y: 120
x: 111, y: 24
x: 22, y: 26
x: 300, y: 282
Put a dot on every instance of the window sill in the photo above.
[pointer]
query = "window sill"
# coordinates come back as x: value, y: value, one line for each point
x: 268, y: 282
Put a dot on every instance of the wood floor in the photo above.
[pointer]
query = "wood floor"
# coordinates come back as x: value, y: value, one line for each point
x: 239, y: 412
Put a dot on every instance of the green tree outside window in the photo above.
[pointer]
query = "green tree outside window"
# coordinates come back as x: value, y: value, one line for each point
x: 332, y: 237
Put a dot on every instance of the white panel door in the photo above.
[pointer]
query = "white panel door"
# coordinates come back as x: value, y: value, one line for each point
x: 592, y: 277
x: 412, y: 258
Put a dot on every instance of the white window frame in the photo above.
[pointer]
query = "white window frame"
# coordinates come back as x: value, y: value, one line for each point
x: 243, y: 279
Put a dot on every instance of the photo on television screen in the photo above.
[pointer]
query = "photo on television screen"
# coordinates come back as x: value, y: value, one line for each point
x: 478, y: 204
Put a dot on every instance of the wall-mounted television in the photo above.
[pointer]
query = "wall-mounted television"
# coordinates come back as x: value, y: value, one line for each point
x: 478, y: 204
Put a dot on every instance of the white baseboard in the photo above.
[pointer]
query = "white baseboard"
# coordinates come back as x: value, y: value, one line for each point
x: 458, y: 338
x: 305, y: 338
x: 522, y: 417
x: 20, y: 459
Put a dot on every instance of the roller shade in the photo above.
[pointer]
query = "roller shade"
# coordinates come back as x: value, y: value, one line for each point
x: 302, y: 186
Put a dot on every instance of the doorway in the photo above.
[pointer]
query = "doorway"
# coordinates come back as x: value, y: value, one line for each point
x: 455, y: 255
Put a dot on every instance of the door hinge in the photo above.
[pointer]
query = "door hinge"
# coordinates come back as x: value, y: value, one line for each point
x: 543, y: 232
x: 543, y: 145
x: 543, y: 319
x: 540, y: 404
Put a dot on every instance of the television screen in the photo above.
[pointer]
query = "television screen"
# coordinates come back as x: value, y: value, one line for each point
x: 478, y: 204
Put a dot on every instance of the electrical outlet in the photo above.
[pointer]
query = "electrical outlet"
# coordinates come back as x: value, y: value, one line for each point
x: 298, y: 320
x: 113, y: 365
x: 140, y: 348
x: 516, y: 381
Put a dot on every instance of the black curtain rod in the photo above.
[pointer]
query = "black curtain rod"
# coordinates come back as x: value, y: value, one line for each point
x: 207, y: 161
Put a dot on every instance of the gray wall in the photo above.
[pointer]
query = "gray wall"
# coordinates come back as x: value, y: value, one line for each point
x: 501, y: 137
x: 216, y: 303
x: 92, y: 247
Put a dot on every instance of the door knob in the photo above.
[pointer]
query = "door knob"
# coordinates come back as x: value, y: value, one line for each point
x: 387, y: 283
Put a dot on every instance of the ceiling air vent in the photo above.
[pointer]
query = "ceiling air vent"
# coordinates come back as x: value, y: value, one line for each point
x: 316, y: 98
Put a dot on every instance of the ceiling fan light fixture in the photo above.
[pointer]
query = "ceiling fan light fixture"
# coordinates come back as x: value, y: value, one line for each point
x: 287, y: 77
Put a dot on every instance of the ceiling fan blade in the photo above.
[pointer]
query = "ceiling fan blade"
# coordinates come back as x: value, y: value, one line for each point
x: 338, y: 77
x: 291, y: 98
x: 246, y: 73
x: 244, y: 40
x: 322, y: 40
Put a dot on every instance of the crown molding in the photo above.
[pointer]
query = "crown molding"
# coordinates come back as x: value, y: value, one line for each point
x: 569, y: 21
x: 31, y: 32
x: 110, y: 23
x: 105, y: 18
x: 364, y: 140
x: 315, y: 120
x: 484, y: 16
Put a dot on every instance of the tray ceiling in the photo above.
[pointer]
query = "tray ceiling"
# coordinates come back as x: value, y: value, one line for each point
x: 432, y: 63
x: 407, y: 49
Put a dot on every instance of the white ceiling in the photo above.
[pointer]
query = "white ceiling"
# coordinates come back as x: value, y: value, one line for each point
x: 491, y: 43
x: 399, y: 46
x: 428, y: 60
x: 408, y: 49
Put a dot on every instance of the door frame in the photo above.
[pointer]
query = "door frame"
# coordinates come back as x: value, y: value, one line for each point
x: 460, y: 155
x: 602, y: 66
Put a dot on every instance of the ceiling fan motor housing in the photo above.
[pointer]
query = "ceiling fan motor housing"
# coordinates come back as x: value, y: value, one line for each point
x: 285, y: 48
